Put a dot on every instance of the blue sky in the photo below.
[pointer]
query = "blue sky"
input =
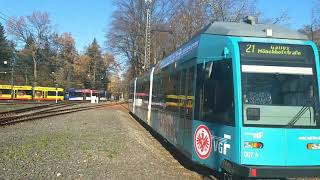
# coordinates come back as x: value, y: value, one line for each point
x: 299, y: 10
x: 86, y: 19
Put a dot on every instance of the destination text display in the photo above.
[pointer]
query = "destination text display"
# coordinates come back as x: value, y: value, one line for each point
x: 272, y: 50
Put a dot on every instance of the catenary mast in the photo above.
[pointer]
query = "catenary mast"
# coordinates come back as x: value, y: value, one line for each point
x: 147, y: 49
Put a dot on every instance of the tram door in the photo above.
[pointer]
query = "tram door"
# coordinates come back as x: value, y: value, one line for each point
x: 186, y: 102
x: 45, y: 94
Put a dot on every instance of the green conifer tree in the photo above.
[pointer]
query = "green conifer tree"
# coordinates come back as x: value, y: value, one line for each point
x: 6, y: 55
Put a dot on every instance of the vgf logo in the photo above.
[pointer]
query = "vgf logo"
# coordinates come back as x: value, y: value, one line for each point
x: 204, y: 141
x: 220, y: 144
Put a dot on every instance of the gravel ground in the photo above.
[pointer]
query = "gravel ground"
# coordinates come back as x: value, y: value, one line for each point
x: 97, y: 144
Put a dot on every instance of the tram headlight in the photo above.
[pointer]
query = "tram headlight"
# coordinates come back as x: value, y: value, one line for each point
x: 313, y: 146
x: 256, y: 145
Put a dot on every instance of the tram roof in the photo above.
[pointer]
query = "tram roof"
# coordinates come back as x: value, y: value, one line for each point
x: 244, y: 29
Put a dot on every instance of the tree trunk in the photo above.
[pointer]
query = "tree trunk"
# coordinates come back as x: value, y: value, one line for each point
x: 34, y: 72
x: 34, y: 67
x: 94, y: 74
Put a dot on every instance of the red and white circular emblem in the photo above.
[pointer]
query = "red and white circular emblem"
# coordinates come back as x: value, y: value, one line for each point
x: 203, y: 141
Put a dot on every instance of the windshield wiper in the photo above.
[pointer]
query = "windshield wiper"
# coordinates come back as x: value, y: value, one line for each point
x: 301, y: 112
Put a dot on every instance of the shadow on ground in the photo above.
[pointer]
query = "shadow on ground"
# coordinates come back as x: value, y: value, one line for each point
x: 180, y: 157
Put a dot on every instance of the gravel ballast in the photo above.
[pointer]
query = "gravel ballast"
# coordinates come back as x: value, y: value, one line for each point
x: 104, y: 143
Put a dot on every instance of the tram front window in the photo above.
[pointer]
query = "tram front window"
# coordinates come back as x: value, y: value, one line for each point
x: 280, y: 99
x: 279, y: 85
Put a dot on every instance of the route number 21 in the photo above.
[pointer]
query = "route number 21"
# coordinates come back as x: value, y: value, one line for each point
x: 250, y: 48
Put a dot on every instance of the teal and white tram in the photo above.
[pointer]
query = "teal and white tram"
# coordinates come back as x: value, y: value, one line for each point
x: 240, y: 98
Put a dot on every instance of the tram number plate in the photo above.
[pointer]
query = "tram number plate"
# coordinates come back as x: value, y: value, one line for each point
x: 251, y: 154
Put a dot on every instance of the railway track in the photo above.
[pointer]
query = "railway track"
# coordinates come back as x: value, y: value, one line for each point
x: 16, y: 102
x: 29, y: 109
x: 48, y: 111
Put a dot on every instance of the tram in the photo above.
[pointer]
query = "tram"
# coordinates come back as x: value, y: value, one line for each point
x: 73, y: 94
x: 5, y: 92
x: 48, y: 93
x: 243, y: 99
x: 25, y: 93
x: 22, y: 93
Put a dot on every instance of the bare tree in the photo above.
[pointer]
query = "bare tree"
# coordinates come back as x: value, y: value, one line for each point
x: 36, y: 27
x: 173, y: 23
x: 230, y: 10
x: 190, y: 16
x: 312, y: 30
x: 283, y: 19
x: 126, y: 36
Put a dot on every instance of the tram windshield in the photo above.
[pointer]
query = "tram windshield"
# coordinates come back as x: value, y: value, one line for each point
x: 279, y: 89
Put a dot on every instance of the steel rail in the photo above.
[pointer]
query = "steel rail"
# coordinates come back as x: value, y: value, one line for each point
x: 30, y: 109
x: 44, y: 114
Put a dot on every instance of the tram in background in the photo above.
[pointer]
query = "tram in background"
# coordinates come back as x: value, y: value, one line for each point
x: 254, y: 109
x: 18, y: 92
x: 22, y: 93
x: 48, y: 93
x: 73, y: 94
x: 104, y: 95
x: 5, y: 92
x: 25, y: 93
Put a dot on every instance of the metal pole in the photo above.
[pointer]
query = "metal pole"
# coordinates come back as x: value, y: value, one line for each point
x: 12, y: 61
x: 147, y: 48
x: 56, y: 95
x: 150, y: 96
x: 134, y: 95
x: 90, y: 95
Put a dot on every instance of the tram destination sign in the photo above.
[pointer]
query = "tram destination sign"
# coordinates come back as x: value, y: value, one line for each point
x: 270, y: 51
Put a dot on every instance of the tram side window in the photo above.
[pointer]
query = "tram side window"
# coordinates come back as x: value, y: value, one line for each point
x: 24, y: 92
x: 157, y: 92
x: 53, y: 93
x: 172, y: 91
x: 190, y: 99
x: 140, y: 92
x: 146, y: 91
x: 78, y: 94
x: 5, y: 91
x: 214, y: 94
x: 131, y: 89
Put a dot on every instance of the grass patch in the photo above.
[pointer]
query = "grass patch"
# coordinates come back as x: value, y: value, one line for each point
x: 42, y: 144
x: 108, y: 151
